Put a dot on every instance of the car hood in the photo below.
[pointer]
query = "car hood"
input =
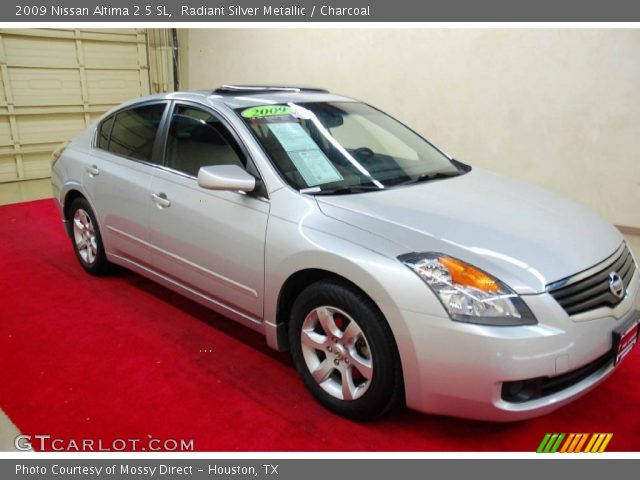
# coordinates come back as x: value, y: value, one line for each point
x: 525, y: 235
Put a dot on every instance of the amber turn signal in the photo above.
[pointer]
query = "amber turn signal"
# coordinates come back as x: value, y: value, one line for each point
x: 466, y: 275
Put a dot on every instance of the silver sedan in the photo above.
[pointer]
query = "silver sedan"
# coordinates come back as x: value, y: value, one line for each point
x: 393, y: 273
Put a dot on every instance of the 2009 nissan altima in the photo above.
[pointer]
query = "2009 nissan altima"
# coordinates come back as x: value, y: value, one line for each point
x: 391, y: 271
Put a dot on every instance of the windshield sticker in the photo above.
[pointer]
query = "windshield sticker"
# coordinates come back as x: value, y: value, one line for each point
x: 267, y: 111
x: 315, y: 168
x: 292, y: 136
x: 311, y: 162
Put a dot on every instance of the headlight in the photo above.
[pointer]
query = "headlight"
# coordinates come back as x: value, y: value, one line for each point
x: 467, y: 293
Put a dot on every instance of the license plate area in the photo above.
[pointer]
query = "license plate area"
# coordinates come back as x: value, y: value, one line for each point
x: 625, y: 338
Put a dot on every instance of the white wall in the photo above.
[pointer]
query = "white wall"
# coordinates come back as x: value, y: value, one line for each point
x: 558, y: 107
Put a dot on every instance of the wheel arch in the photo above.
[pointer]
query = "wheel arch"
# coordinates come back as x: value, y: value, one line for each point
x: 293, y: 286
x: 299, y: 280
x: 68, y: 198
x: 71, y: 192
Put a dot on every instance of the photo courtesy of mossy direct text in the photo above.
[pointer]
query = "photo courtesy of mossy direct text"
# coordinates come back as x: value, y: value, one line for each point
x: 99, y: 470
x: 124, y: 469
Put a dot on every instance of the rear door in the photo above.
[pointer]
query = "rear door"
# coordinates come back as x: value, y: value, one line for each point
x: 211, y: 242
x: 118, y: 176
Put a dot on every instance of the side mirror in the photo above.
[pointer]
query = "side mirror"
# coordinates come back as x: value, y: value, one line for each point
x: 226, y: 177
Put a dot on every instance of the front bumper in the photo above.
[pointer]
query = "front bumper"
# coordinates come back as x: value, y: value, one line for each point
x: 459, y: 369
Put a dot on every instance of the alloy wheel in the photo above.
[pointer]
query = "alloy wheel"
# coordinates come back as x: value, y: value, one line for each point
x: 336, y: 353
x: 84, y: 236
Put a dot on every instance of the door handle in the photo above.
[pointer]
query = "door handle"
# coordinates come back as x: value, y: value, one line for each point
x: 161, y: 200
x: 93, y: 170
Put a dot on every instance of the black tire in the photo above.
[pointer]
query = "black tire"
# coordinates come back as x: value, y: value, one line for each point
x: 94, y: 262
x: 384, y: 389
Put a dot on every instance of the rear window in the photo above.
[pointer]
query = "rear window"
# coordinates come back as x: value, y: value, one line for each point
x: 134, y: 131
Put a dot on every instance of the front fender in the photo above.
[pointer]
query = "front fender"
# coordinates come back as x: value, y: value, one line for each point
x: 392, y: 286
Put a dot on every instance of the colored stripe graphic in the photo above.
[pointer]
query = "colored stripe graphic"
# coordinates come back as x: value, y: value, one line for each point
x: 568, y: 442
x: 607, y: 439
x: 556, y: 445
x: 543, y: 443
x: 601, y: 440
x: 550, y: 443
x: 581, y: 443
x: 591, y: 442
x: 604, y: 445
x: 574, y: 443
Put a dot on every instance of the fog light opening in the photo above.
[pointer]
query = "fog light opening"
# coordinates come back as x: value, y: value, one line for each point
x: 521, y: 390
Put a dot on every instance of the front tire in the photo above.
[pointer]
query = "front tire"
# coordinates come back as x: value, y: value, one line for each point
x: 86, y: 238
x: 344, y: 351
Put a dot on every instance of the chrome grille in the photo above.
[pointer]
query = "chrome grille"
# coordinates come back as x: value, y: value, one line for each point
x: 590, y: 289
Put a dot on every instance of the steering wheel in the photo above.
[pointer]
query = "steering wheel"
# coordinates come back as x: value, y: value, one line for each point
x: 364, y: 152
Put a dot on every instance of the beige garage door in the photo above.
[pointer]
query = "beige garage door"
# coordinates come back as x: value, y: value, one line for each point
x: 57, y: 82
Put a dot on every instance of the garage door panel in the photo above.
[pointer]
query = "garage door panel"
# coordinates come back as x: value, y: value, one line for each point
x: 112, y: 34
x: 45, y: 87
x: 36, y: 129
x: 111, y: 55
x: 8, y: 168
x: 3, y: 96
x: 111, y: 86
x: 5, y: 131
x: 37, y: 165
x: 94, y: 117
x: 55, y: 83
x: 40, y: 52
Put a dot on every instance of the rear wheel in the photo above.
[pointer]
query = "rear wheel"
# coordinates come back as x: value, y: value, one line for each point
x: 344, y: 351
x: 86, y: 238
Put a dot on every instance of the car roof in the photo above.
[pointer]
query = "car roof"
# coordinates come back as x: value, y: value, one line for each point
x: 238, y: 96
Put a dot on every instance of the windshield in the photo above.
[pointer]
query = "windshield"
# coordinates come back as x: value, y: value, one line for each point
x: 343, y: 147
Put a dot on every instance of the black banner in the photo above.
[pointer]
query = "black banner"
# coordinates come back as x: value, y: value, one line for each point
x: 319, y: 11
x: 315, y: 469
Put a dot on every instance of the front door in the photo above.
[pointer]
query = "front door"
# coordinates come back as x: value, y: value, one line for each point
x: 211, y: 242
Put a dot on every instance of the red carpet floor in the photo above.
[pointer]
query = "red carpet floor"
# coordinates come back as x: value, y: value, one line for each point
x: 120, y: 358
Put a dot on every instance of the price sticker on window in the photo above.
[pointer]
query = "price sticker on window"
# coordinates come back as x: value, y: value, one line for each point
x: 309, y: 160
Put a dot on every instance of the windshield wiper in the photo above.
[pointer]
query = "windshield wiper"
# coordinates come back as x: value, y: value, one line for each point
x: 347, y: 190
x: 428, y: 177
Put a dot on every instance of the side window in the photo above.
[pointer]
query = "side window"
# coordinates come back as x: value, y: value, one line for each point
x: 197, y: 139
x: 134, y: 131
x: 104, y: 132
